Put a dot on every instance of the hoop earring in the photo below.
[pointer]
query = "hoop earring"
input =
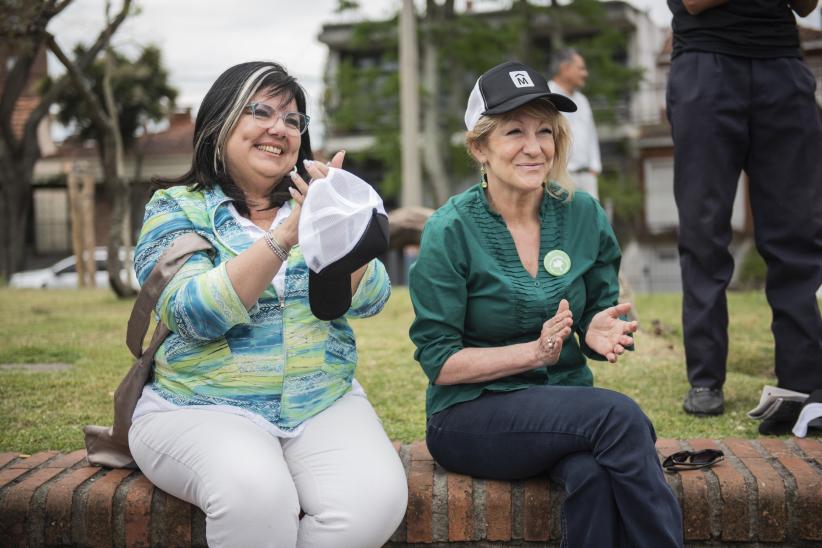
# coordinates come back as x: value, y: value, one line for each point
x: 484, y: 174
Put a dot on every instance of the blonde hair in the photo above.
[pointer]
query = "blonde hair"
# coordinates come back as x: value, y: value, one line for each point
x: 544, y: 110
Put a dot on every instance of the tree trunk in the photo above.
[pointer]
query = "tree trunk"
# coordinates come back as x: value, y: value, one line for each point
x: 16, y: 165
x: 118, y: 187
x: 117, y: 190
x: 16, y: 175
x: 434, y: 147
x: 432, y: 141
x: 18, y: 155
x: 15, y: 206
x: 555, y: 25
x: 116, y: 241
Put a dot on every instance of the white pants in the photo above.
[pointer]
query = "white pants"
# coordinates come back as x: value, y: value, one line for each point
x: 342, y: 471
x: 587, y: 181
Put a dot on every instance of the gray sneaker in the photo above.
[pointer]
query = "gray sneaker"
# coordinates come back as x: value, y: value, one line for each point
x: 703, y: 401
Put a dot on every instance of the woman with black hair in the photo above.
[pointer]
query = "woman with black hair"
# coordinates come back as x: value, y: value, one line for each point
x: 253, y: 413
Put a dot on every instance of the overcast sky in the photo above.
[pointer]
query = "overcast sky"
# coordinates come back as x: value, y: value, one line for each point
x: 201, y: 39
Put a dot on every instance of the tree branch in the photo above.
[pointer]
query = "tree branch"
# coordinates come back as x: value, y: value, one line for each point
x: 61, y: 6
x: 96, y: 109
x: 30, y: 131
x: 18, y: 77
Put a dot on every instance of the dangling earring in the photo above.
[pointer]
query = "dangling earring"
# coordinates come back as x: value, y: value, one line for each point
x: 484, y: 183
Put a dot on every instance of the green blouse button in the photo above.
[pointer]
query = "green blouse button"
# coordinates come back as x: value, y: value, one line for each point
x: 557, y: 262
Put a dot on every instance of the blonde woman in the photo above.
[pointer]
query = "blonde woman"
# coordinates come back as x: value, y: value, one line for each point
x: 515, y: 284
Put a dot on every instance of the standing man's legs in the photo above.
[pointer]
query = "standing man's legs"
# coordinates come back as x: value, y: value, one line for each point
x: 785, y: 168
x: 707, y: 107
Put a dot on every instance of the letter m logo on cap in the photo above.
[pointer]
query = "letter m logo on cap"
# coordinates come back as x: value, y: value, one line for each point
x: 521, y: 79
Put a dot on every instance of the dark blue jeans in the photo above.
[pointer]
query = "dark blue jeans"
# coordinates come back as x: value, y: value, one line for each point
x: 596, y: 442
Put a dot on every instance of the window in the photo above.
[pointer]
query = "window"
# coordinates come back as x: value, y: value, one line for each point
x: 70, y: 269
x: 51, y: 220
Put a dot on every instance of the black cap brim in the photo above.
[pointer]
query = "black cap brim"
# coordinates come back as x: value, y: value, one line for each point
x: 329, y: 291
x: 329, y: 295
x: 562, y: 103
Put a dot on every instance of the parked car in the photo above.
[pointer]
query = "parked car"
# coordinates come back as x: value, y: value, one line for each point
x: 63, y: 274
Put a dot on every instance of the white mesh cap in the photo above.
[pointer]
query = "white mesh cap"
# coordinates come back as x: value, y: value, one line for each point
x: 335, y: 215
x: 343, y: 225
x: 476, y: 106
x: 507, y: 87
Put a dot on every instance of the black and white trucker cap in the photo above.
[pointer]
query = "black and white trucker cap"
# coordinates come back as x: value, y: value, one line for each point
x: 509, y: 86
x: 343, y: 226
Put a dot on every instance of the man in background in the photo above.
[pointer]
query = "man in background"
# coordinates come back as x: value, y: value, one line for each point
x: 584, y: 164
x: 739, y: 98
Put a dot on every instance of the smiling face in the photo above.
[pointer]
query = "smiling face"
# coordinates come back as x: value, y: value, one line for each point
x: 258, y: 158
x: 519, y: 153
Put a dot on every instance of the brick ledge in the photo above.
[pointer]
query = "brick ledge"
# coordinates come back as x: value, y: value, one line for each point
x: 767, y: 492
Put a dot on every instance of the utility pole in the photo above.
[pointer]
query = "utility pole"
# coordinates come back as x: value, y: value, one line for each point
x: 409, y: 108
x: 80, y: 185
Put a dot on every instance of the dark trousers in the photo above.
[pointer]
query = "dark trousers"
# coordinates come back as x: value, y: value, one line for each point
x: 758, y: 115
x: 595, y: 442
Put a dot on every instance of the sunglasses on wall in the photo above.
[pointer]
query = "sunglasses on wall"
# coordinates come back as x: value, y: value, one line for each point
x: 692, y: 460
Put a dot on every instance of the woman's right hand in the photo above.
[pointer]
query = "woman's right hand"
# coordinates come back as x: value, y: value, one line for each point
x: 554, y: 332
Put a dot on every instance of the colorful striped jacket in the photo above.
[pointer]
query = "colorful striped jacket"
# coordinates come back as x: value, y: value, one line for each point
x: 277, y: 359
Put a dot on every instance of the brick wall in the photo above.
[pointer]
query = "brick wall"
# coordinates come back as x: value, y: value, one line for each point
x: 767, y: 492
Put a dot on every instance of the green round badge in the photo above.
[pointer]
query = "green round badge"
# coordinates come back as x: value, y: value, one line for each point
x: 557, y: 262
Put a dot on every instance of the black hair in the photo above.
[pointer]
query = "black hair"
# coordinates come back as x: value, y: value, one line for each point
x: 219, y: 112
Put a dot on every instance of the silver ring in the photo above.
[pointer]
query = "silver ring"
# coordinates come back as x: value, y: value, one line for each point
x: 552, y: 342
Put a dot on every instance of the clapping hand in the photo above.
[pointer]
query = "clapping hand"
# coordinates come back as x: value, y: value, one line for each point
x: 286, y: 233
x: 554, y: 332
x: 609, y: 335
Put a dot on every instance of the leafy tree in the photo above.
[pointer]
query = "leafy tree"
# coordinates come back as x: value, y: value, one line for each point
x: 141, y: 90
x: 456, y: 48
x: 23, y: 31
x: 111, y: 101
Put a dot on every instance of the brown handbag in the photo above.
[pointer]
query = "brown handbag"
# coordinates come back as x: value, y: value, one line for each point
x: 108, y: 445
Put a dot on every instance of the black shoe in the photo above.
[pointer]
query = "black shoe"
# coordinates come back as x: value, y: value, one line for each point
x: 703, y: 401
x: 781, y: 422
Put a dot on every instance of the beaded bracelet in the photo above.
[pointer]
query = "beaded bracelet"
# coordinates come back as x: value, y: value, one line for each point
x: 275, y: 246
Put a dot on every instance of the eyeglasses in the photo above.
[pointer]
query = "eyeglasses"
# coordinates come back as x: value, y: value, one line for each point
x: 265, y: 117
x: 692, y: 460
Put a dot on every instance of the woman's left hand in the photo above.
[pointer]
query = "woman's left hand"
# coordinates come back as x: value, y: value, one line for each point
x: 318, y: 170
x: 286, y: 233
x: 608, y: 335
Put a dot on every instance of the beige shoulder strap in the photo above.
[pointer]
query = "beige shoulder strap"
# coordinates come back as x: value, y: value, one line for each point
x: 167, y: 266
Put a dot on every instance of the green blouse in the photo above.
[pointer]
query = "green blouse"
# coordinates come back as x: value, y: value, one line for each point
x: 469, y: 289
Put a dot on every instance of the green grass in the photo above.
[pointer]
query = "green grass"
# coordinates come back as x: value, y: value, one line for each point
x: 86, y: 328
